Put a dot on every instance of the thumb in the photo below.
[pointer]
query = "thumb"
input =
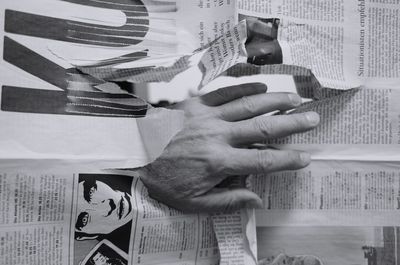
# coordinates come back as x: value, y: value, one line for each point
x: 224, y: 200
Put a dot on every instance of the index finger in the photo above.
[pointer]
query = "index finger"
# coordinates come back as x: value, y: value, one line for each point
x: 230, y: 93
x: 264, y: 128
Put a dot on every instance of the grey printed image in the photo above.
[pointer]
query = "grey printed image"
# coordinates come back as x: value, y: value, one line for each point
x: 330, y: 245
x: 266, y: 42
x: 105, y: 253
x: 104, y: 211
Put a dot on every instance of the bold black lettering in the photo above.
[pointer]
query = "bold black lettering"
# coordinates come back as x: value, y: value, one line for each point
x: 30, y: 100
x: 77, y: 32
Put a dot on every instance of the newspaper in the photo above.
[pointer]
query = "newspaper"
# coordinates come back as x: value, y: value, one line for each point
x: 51, y: 215
x: 61, y: 128
x: 96, y: 218
x: 344, y: 208
x: 345, y: 202
x: 40, y: 92
x: 211, y: 60
x: 359, y: 124
x: 202, y: 34
x: 345, y: 43
x: 333, y: 212
x: 305, y: 83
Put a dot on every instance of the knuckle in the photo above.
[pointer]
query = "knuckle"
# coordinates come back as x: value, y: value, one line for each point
x: 295, y: 159
x: 296, y: 122
x: 215, y: 162
x: 300, y: 121
x: 291, y: 157
x: 231, y: 165
x: 265, y: 161
x: 219, y: 133
x: 248, y: 105
x: 263, y: 126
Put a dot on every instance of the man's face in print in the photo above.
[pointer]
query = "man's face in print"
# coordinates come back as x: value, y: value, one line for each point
x: 101, y: 209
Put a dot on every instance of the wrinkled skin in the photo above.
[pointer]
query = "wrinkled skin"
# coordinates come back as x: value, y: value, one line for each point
x: 213, y: 145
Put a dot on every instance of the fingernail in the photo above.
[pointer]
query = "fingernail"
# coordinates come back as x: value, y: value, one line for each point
x: 295, y: 99
x: 261, y: 86
x: 313, y: 118
x: 305, y: 158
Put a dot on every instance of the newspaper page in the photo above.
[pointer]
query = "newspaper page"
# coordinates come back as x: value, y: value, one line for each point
x: 206, y: 20
x: 211, y: 60
x: 42, y: 92
x: 345, y: 43
x: 305, y: 83
x: 333, y: 212
x: 50, y: 111
x: 359, y: 124
x: 343, y: 208
x: 236, y: 236
x: 96, y: 218
x: 105, y: 217
x: 56, y: 120
x: 189, y: 27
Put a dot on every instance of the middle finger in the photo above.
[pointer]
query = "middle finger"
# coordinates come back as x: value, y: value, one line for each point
x: 255, y: 105
x: 270, y: 127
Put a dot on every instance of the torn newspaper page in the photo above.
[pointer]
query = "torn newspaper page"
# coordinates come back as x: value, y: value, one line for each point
x: 150, y: 28
x: 236, y: 237
x: 72, y: 218
x: 336, y: 245
x: 60, y: 217
x: 185, y: 26
x: 214, y: 58
x: 359, y: 124
x: 306, y: 84
x: 347, y: 200
x: 331, y: 207
x: 51, y: 111
x: 51, y: 115
x: 331, y: 192
x: 345, y: 43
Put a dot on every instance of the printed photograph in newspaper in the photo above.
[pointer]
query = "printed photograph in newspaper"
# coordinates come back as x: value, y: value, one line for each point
x: 104, y: 211
x: 272, y: 51
x: 331, y: 245
x: 105, y: 253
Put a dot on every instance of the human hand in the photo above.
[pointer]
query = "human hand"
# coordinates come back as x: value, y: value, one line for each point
x: 213, y: 145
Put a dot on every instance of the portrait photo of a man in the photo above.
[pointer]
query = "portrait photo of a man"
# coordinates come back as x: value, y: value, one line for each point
x: 104, y: 211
